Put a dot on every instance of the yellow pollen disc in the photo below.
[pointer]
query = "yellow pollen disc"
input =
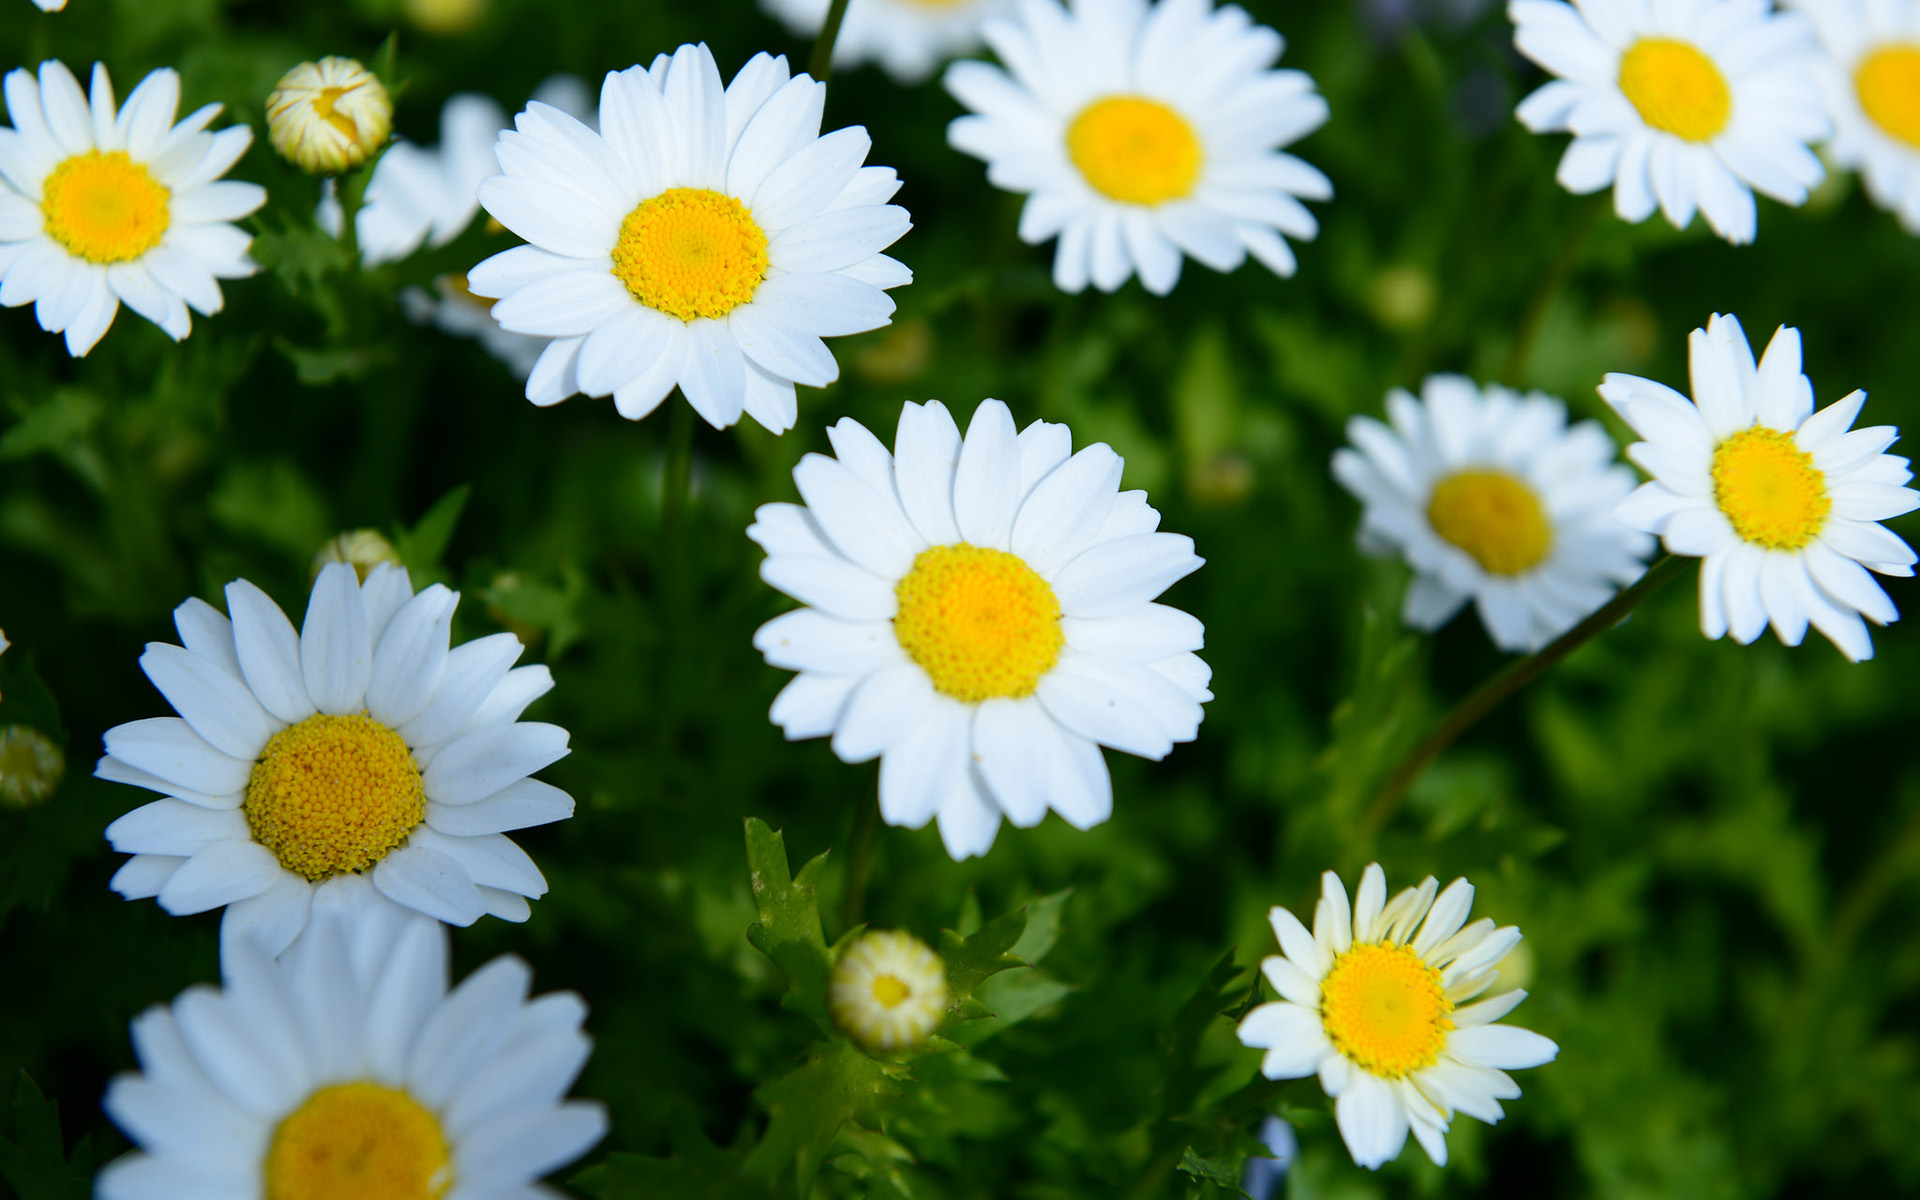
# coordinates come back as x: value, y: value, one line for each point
x: 104, y: 207
x: 1134, y: 150
x: 1770, y: 489
x: 1676, y: 88
x: 1888, y: 82
x: 1495, y: 518
x: 359, y: 1141
x: 1384, y: 1008
x: 333, y: 794
x: 889, y: 991
x: 981, y: 623
x: 691, y: 252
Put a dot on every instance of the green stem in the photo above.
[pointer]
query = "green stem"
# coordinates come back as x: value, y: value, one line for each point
x: 866, y: 823
x: 820, y: 66
x: 676, y: 478
x: 1506, y: 682
x: 1535, y: 316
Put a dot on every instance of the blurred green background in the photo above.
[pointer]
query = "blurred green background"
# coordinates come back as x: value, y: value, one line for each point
x: 1711, y: 849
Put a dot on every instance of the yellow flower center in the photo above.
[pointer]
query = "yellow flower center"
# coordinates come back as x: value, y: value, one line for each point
x: 1888, y: 81
x: 691, y: 252
x: 980, y: 622
x: 1676, y: 88
x: 1769, y: 489
x: 1495, y: 518
x: 1384, y: 1008
x: 889, y: 991
x: 1134, y: 150
x: 334, y: 794
x: 104, y: 207
x: 359, y: 1141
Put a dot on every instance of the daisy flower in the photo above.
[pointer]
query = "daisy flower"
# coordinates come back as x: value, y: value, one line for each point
x: 347, y: 1069
x: 909, y: 38
x: 1870, y: 72
x: 49, y: 5
x: 1491, y: 497
x: 359, y: 756
x: 979, y: 617
x: 888, y: 991
x: 1141, y: 133
x: 1687, y: 105
x: 1781, y: 504
x: 705, y: 238
x: 1376, y: 1001
x: 101, y: 207
x: 329, y: 116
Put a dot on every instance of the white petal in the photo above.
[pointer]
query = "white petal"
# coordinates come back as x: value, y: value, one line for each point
x: 221, y: 874
x: 484, y: 762
x: 269, y: 652
x: 336, y: 657
x: 411, y: 655
x: 218, y: 706
x: 430, y: 882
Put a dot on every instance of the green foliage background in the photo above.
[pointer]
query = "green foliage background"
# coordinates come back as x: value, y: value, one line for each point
x: 1711, y: 849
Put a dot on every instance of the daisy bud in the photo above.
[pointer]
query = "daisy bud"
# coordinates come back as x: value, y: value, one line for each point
x: 31, y: 767
x: 888, y: 991
x: 445, y: 18
x: 329, y: 116
x: 361, y: 549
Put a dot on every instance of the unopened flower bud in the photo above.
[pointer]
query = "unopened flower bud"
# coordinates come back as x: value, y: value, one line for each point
x: 362, y: 549
x: 888, y: 991
x: 30, y: 766
x: 329, y: 116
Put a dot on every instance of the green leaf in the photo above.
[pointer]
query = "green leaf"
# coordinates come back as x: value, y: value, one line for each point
x: 809, y: 1107
x: 1043, y: 926
x: 1218, y: 993
x: 34, y: 1162
x: 697, y: 1168
x: 875, y: 1160
x: 971, y: 960
x: 275, y: 503
x: 788, y: 930
x: 421, y: 547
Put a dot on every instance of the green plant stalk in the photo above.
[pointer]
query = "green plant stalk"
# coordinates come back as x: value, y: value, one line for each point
x: 866, y: 823
x: 1510, y: 679
x: 1528, y: 331
x: 820, y: 65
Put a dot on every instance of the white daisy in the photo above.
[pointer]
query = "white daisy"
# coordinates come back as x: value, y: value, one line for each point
x: 1490, y: 497
x: 1141, y: 133
x: 909, y: 38
x: 329, y: 116
x: 1376, y: 1002
x: 1870, y: 72
x: 1687, y: 104
x: 453, y: 309
x: 980, y: 619
x: 101, y: 207
x: 347, y: 1069
x: 360, y: 756
x: 49, y: 5
x: 705, y: 237
x: 1783, y: 504
x: 888, y: 991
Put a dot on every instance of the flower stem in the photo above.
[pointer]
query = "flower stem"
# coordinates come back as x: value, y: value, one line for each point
x: 676, y: 478
x: 820, y: 66
x: 853, y: 904
x: 1510, y: 679
x: 1528, y: 331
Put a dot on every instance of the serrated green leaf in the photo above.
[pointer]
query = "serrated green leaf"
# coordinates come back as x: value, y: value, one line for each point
x: 971, y: 960
x: 788, y: 929
x: 807, y: 1109
x: 697, y: 1168
x: 34, y: 1162
x: 1219, y: 991
x: 1043, y: 926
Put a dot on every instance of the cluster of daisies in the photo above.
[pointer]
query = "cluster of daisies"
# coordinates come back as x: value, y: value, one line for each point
x: 979, y: 610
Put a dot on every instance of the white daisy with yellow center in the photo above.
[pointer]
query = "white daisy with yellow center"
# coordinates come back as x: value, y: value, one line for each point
x: 1491, y: 497
x: 1870, y: 72
x: 347, y: 1071
x: 1379, y: 1001
x: 888, y: 991
x: 1141, y: 134
x: 1687, y: 105
x: 979, y: 618
x: 705, y: 237
x: 359, y: 759
x: 102, y: 205
x: 1781, y: 503
x: 909, y: 38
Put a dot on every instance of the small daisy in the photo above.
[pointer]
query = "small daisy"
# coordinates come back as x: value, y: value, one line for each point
x: 1141, y: 133
x: 1781, y: 503
x: 49, y: 5
x: 329, y: 116
x: 705, y: 238
x: 359, y: 757
x: 979, y: 617
x: 888, y: 991
x: 102, y: 207
x: 1375, y: 1001
x: 1871, y: 75
x: 348, y: 1070
x: 909, y: 38
x: 1692, y: 104
x: 1492, y: 498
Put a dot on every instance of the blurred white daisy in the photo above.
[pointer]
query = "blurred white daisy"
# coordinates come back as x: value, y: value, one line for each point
x: 359, y: 756
x: 101, y: 207
x: 453, y: 309
x: 979, y: 617
x: 347, y: 1069
x: 704, y: 238
x: 1491, y: 497
x: 1143, y: 133
x: 1870, y: 72
x: 1377, y: 1002
x: 1781, y: 503
x: 909, y: 38
x: 49, y: 5
x: 888, y: 991
x: 1687, y: 105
